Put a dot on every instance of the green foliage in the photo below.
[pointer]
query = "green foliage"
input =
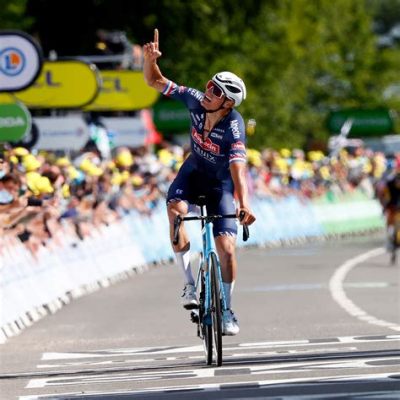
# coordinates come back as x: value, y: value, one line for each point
x: 299, y: 58
x: 386, y: 13
x: 12, y: 15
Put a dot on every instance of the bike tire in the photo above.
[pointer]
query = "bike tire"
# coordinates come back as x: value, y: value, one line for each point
x: 206, y: 329
x: 216, y: 309
x: 395, y: 245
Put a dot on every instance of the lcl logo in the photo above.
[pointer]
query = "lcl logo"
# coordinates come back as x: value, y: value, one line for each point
x: 12, y: 61
x: 111, y: 84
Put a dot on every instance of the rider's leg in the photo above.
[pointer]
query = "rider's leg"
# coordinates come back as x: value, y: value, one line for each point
x: 182, y: 249
x: 226, y: 245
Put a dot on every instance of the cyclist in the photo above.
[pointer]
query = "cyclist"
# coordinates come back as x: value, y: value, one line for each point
x: 388, y: 193
x: 215, y: 167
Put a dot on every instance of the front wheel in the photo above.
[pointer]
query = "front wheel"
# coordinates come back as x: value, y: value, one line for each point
x: 205, y: 323
x: 216, y: 308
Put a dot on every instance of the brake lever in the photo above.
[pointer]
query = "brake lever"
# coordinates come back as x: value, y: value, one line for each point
x: 246, y: 232
x: 177, y: 224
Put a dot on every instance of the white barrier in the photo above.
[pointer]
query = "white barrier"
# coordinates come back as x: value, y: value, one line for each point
x: 31, y: 288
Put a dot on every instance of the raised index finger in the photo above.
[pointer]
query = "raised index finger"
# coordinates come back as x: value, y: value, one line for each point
x: 156, y: 38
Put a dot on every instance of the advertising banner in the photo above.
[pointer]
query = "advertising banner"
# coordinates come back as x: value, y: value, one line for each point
x: 15, y: 122
x: 63, y: 84
x: 61, y: 133
x: 171, y: 116
x: 123, y: 91
x: 20, y: 61
x: 6, y: 98
x: 365, y: 122
x: 126, y: 131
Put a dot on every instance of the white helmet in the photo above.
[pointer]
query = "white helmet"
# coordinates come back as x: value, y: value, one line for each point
x: 232, y: 86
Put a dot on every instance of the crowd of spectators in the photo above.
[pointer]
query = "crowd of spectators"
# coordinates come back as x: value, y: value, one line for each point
x: 45, y: 195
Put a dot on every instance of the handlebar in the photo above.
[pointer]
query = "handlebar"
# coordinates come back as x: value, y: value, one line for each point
x: 208, y: 218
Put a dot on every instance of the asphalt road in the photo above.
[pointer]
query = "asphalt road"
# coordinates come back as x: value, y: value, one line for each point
x: 320, y: 320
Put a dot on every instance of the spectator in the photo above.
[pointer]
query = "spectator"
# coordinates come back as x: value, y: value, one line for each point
x: 44, y: 196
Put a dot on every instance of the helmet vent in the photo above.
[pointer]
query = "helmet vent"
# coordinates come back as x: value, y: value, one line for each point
x: 233, y: 89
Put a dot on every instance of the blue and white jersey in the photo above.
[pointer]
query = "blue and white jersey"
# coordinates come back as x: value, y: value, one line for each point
x: 225, y: 143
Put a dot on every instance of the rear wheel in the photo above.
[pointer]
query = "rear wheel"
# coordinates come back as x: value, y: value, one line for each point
x: 216, y: 309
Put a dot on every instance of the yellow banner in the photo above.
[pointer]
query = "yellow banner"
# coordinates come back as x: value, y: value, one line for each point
x: 63, y: 84
x: 123, y: 91
x: 6, y: 98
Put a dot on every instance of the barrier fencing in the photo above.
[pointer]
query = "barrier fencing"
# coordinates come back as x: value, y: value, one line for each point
x: 31, y: 288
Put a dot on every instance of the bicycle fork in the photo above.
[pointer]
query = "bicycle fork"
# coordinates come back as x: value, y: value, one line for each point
x: 205, y: 300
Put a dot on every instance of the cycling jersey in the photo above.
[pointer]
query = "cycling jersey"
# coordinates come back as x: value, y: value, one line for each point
x: 224, y: 144
x: 206, y: 170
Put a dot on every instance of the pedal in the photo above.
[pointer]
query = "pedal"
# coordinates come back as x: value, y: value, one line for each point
x: 194, y: 317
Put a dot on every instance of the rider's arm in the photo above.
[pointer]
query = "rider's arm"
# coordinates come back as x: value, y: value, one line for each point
x: 151, y: 71
x: 238, y: 173
x: 153, y: 76
x: 238, y: 168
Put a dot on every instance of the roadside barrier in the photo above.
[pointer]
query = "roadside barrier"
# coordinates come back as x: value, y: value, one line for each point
x: 348, y: 213
x: 32, y: 288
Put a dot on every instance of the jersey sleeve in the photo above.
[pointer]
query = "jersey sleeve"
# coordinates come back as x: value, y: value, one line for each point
x: 189, y: 96
x: 237, y: 151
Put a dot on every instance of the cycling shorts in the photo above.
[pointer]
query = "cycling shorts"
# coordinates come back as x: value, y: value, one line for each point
x: 189, y: 184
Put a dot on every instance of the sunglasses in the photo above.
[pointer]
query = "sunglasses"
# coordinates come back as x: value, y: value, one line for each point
x: 216, y: 90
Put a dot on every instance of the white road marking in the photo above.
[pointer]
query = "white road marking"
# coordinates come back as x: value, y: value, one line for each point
x: 337, y: 291
x: 120, y: 352
x: 201, y: 357
x: 199, y: 349
x: 383, y: 377
x: 200, y: 373
x: 339, y: 339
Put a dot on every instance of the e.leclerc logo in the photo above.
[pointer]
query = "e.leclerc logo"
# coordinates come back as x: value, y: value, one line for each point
x: 12, y: 61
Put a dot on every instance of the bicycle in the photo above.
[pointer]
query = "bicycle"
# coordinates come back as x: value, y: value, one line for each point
x: 209, y: 286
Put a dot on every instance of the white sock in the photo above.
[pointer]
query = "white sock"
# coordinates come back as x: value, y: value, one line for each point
x: 183, y: 260
x: 228, y: 289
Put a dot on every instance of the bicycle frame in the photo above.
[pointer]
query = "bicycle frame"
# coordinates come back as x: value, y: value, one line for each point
x: 208, y: 249
x: 209, y: 285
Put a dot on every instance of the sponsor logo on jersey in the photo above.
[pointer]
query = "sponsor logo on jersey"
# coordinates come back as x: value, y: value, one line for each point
x: 219, y: 130
x: 204, y: 154
x: 196, y: 94
x: 215, y: 135
x: 235, y: 128
x: 181, y: 89
x: 207, y: 144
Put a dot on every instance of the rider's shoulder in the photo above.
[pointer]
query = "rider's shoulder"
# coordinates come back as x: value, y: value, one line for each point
x: 235, y: 114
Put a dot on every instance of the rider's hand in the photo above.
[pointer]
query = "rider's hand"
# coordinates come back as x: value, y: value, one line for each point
x: 150, y: 50
x: 245, y: 216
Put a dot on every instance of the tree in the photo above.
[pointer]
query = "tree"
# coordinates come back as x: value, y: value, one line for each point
x: 299, y: 58
x: 12, y: 15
